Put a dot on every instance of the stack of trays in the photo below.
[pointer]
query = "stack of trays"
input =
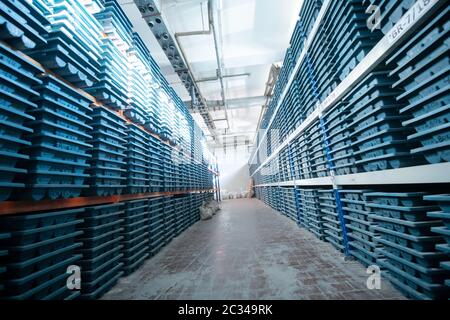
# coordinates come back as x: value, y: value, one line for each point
x: 156, y: 224
x: 274, y: 198
x: 153, y: 122
x: 297, y: 40
x: 40, y: 249
x: 333, y: 229
x: 156, y: 165
x: 308, y: 14
x: 135, y: 234
x: 291, y: 204
x: 286, y: 70
x: 169, y: 218
x: 111, y: 89
x: 281, y: 204
x: 341, y: 151
x: 283, y: 164
x: 73, y: 43
x: 183, y: 173
x: 379, y: 140
x: 290, y: 114
x: 176, y: 169
x: 408, y: 243
x: 101, y: 250
x: 194, y: 214
x: 59, y: 152
x: 307, y: 86
x: 298, y: 205
x: 22, y: 25
x: 115, y: 23
x: 310, y: 214
x: 294, y: 160
x: 135, y: 109
x: 180, y: 208
x: 358, y: 222
x: 443, y: 201
x: 391, y: 12
x: 349, y: 36
x: 93, y: 6
x: 108, y: 154
x: 317, y: 157
x: 423, y: 69
x: 304, y: 163
x: 320, y: 58
x: 137, y: 160
x: 165, y: 116
x: 169, y: 179
x: 3, y: 253
x: 312, y: 77
x: 18, y: 78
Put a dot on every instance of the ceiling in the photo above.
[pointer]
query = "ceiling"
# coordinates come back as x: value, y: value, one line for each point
x: 252, y: 35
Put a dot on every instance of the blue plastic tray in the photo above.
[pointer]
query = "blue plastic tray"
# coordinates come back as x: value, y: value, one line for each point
x: 94, y: 290
x: 32, y: 284
x: 419, y: 243
x: 443, y: 201
x: 432, y: 291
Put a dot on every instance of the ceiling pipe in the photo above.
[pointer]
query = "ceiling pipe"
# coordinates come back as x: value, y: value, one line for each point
x: 219, y: 65
x: 209, y: 31
x: 227, y: 76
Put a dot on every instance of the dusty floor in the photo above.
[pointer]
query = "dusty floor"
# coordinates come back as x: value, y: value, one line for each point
x: 248, y: 251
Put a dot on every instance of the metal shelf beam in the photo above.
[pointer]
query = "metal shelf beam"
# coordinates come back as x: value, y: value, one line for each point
x: 14, y: 207
x: 430, y: 173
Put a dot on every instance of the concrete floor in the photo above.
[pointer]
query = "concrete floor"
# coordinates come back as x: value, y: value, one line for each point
x: 248, y: 251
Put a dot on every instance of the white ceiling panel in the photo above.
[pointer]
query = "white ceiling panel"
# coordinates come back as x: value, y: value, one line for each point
x: 252, y: 35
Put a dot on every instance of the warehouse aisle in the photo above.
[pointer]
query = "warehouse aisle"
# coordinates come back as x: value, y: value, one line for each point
x: 248, y: 251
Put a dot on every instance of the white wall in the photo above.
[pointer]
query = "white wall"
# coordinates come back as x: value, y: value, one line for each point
x: 233, y: 166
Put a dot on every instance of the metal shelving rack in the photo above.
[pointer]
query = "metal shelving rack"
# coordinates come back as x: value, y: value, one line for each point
x: 434, y: 176
x: 145, y: 178
x: 28, y: 206
x: 384, y: 47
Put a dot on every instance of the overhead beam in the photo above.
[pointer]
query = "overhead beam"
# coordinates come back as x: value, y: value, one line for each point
x: 236, y: 103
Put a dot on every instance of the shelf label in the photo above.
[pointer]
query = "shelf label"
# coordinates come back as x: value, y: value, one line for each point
x: 409, y: 18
